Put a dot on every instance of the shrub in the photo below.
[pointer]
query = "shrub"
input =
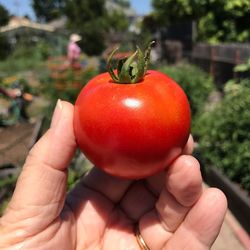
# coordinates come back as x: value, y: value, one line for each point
x: 196, y: 83
x: 5, y: 47
x: 224, y: 137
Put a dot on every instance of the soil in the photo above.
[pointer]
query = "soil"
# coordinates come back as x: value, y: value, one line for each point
x: 15, y: 143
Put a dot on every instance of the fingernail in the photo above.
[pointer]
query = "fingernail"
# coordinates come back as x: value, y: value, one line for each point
x: 57, y: 113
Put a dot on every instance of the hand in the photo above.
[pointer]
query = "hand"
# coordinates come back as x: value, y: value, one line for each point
x: 13, y: 93
x: 171, y: 209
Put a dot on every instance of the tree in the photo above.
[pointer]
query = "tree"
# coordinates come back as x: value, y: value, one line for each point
x: 4, y: 43
x: 5, y: 47
x: 86, y: 17
x: 4, y: 16
x: 123, y: 3
x: 48, y: 10
x: 217, y: 20
x: 117, y: 21
x: 94, y: 22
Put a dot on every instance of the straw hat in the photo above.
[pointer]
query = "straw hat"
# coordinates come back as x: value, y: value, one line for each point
x: 75, y: 38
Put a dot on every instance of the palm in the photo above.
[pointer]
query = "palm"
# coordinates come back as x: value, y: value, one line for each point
x: 101, y: 212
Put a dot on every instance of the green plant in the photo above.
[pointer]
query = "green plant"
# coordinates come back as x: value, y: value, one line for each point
x: 5, y: 47
x: 244, y: 67
x: 7, y: 185
x: 22, y: 59
x: 216, y: 20
x: 224, y: 138
x: 196, y: 83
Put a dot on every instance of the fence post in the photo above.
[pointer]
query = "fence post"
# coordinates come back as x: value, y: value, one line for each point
x: 237, y: 60
x: 212, y: 61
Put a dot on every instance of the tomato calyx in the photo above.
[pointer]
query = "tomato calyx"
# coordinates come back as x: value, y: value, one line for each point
x: 130, y: 70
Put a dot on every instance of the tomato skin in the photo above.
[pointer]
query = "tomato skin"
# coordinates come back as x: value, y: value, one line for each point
x: 132, y: 130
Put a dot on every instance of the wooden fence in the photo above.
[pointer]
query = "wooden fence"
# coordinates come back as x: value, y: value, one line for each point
x: 219, y: 60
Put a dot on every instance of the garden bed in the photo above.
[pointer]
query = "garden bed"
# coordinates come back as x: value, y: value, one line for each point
x: 238, y: 199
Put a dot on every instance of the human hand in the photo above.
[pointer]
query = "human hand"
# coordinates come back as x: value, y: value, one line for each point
x: 171, y: 208
x: 13, y: 93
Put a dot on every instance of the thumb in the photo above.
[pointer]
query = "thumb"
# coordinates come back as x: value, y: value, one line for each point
x: 41, y: 187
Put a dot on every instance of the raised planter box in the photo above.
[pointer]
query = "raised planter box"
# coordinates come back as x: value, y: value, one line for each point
x: 238, y: 199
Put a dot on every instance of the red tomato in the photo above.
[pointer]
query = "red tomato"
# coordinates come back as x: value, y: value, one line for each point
x: 132, y: 130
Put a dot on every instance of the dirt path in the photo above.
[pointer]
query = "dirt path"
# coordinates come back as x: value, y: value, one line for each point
x: 15, y: 143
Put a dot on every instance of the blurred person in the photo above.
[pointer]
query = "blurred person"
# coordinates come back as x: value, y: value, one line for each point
x: 170, y: 210
x: 74, y: 50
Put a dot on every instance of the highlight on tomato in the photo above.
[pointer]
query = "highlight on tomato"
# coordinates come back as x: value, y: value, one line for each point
x: 132, y: 122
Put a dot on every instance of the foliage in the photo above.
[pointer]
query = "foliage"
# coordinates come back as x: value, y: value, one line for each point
x: 123, y: 3
x: 87, y: 18
x: 217, y: 20
x: 26, y: 57
x: 117, y: 21
x: 224, y: 138
x: 92, y: 20
x: 196, y: 83
x: 4, y: 16
x: 4, y: 44
x: 244, y: 67
x: 78, y: 167
x: 65, y: 90
x: 172, y: 11
x: 48, y: 10
x: 7, y: 185
x: 4, y: 47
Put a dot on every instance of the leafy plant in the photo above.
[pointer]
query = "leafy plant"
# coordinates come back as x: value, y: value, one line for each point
x: 224, y: 138
x: 244, y: 67
x: 217, y: 20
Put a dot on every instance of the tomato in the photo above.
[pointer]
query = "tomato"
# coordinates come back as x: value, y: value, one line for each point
x: 132, y: 130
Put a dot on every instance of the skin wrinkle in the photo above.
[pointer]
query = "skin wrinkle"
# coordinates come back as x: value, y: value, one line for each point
x: 74, y: 195
x: 85, y: 185
x: 68, y: 212
x: 182, y: 211
x: 48, y: 238
x: 163, y: 223
x: 211, y: 199
x: 116, y: 220
x: 21, y: 228
x: 22, y: 236
x: 13, y: 209
x: 135, y: 190
x: 100, y: 174
x: 29, y: 166
x: 115, y: 209
x: 107, y: 227
x: 192, y: 184
x: 150, y: 189
x: 30, y: 216
x: 154, y: 218
x: 33, y: 157
x: 75, y: 219
x: 157, y: 182
x: 116, y: 203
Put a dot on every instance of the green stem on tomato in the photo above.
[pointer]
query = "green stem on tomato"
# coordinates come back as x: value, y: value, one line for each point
x: 130, y: 70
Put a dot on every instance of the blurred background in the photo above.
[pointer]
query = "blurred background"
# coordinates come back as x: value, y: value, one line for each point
x: 202, y: 44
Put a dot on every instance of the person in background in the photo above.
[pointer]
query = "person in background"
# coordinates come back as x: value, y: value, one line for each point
x: 74, y: 50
